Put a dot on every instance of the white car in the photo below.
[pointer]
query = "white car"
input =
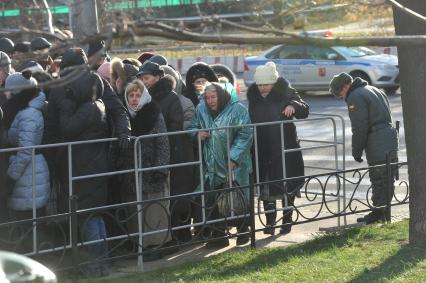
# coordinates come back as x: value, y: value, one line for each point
x: 312, y: 67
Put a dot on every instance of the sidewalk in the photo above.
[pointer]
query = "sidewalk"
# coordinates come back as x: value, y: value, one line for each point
x: 299, y: 234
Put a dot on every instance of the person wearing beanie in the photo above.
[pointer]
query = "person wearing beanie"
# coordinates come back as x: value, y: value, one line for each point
x: 104, y: 71
x: 33, y: 66
x: 145, y: 57
x: 23, y: 114
x: 271, y: 98
x: 161, y: 88
x: 96, y: 46
x: 197, y: 77
x: 372, y: 132
x: 159, y: 59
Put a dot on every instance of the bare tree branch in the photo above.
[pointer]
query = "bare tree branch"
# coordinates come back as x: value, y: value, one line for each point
x: 165, y: 31
x: 407, y: 11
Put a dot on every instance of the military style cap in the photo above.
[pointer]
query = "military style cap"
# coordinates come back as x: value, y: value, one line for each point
x: 150, y: 68
x: 338, y: 82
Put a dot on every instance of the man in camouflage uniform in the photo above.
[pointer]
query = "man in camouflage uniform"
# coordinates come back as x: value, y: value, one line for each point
x: 372, y: 131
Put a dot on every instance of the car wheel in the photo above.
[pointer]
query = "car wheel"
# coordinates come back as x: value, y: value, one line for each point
x: 361, y: 75
x: 391, y: 90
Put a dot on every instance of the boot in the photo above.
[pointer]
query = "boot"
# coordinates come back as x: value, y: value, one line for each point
x: 243, y: 239
x: 218, y: 243
x: 373, y: 217
x: 270, y: 217
x: 287, y: 222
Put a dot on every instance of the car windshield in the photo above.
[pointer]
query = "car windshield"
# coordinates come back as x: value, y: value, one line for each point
x: 354, y: 51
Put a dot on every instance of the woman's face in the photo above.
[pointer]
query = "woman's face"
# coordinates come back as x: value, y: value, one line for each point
x: 134, y: 98
x: 200, y: 84
x: 265, y: 88
x: 149, y: 80
x: 211, y: 100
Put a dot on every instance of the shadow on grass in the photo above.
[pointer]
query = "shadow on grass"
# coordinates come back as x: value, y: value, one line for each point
x: 223, y: 269
x: 406, y: 258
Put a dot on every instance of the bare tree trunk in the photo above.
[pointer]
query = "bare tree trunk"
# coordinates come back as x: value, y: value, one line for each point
x: 84, y: 18
x: 412, y: 62
x: 48, y: 16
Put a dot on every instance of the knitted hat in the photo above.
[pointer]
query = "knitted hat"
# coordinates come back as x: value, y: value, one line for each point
x: 266, y: 74
x: 20, y: 80
x: 159, y: 59
x: 33, y: 66
x: 338, y: 82
x: 95, y: 46
x: 104, y: 72
x: 73, y: 57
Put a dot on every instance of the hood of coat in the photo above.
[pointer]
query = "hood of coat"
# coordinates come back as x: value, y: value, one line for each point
x: 162, y: 88
x: 177, y: 78
x: 38, y: 102
x: 199, y: 70
x: 280, y: 87
x: 86, y: 88
x: 145, y: 99
x: 225, y: 71
x: 357, y: 83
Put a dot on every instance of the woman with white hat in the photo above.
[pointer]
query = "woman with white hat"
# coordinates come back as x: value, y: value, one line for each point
x: 271, y: 98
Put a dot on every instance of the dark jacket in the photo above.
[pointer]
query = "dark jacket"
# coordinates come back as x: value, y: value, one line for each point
x: 269, y: 137
x: 371, y: 121
x: 75, y: 114
x: 155, y: 151
x: 118, y: 120
x: 181, y: 150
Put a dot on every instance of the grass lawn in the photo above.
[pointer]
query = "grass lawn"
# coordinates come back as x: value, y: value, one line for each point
x: 368, y: 254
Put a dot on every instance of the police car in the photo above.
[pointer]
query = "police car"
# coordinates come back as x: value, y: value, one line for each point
x: 312, y: 67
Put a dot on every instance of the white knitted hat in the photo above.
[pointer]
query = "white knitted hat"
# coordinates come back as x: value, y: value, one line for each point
x: 266, y: 74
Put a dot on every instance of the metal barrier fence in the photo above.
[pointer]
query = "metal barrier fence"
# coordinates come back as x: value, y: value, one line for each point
x: 56, y: 239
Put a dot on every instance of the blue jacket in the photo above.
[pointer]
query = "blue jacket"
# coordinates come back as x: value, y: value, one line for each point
x: 27, y: 130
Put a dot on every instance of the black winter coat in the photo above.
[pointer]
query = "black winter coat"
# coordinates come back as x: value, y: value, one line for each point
x: 270, y: 109
x: 181, y: 150
x: 74, y: 114
x: 155, y: 151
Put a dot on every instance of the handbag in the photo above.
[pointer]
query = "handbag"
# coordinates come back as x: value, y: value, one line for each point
x: 229, y: 201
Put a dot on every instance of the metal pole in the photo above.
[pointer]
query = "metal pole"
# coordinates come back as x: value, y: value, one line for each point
x: 34, y: 183
x: 252, y: 216
x: 74, y: 236
x: 138, y: 186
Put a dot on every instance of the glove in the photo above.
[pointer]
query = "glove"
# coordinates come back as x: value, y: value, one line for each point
x: 358, y: 159
x: 124, y: 143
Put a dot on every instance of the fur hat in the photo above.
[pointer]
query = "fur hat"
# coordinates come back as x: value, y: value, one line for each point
x: 125, y: 72
x: 266, y: 74
x: 20, y: 80
x: 132, y: 61
x: 200, y: 70
x: 338, y: 82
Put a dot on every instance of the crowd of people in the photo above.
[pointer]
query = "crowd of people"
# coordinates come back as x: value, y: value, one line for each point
x: 136, y: 97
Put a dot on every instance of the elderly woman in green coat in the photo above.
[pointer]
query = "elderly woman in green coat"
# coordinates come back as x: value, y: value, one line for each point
x: 218, y: 110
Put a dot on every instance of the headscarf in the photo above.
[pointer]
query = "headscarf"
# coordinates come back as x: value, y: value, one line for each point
x: 145, y: 99
x: 223, y: 98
